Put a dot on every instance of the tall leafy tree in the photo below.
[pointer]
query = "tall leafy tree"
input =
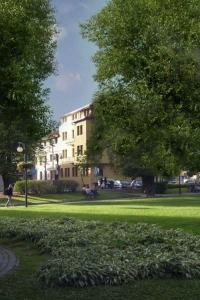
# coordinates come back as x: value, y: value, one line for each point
x: 147, y: 109
x: 27, y: 44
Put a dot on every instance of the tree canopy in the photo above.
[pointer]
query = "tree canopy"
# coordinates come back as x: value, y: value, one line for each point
x: 27, y: 29
x: 147, y: 108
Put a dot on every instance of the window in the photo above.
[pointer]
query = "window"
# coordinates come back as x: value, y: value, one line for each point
x: 67, y: 172
x: 56, y: 140
x: 61, y: 172
x: 86, y: 112
x: 40, y: 175
x: 80, y: 150
x: 52, y: 175
x: 64, y: 136
x: 79, y: 129
x: 73, y: 134
x: 64, y: 153
x: 85, y: 171
x: 73, y: 152
x: 74, y: 116
x: 51, y: 157
x: 64, y: 119
x: 74, y: 172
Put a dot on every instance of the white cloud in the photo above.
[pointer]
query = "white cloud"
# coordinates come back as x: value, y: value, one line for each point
x: 66, y: 81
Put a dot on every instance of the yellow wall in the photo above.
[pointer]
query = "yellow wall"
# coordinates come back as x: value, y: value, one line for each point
x: 104, y: 162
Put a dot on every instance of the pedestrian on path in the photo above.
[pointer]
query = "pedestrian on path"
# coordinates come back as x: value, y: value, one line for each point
x: 9, y: 193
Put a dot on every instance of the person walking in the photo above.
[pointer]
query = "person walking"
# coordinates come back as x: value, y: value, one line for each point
x: 9, y: 193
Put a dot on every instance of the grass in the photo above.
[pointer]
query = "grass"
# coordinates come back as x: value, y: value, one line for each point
x: 62, y: 198
x: 171, y: 212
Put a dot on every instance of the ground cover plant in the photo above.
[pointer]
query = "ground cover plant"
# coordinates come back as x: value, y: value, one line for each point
x: 92, y: 253
x: 21, y: 284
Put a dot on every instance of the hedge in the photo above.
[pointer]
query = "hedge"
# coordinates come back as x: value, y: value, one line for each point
x: 42, y: 187
x: 63, y: 186
x: 176, y: 186
x: 160, y: 187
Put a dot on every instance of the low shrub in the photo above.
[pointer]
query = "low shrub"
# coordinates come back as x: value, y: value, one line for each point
x: 176, y: 186
x: 42, y: 187
x: 63, y: 186
x: 35, y: 187
x: 92, y: 253
x: 19, y: 187
x: 160, y: 187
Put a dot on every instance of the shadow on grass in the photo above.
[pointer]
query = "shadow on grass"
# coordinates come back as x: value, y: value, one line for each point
x: 79, y: 200
x: 171, y: 202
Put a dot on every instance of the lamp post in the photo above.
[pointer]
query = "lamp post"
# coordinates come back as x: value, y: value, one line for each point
x: 22, y: 148
x: 57, y: 167
x: 45, y: 168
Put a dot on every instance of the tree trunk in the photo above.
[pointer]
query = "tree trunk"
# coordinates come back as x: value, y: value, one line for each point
x: 148, y: 185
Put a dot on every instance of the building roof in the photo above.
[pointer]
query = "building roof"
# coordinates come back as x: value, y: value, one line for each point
x: 77, y: 110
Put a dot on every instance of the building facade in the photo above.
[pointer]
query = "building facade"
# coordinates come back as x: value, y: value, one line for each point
x: 62, y: 155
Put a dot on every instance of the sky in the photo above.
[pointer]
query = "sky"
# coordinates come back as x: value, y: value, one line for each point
x: 73, y: 85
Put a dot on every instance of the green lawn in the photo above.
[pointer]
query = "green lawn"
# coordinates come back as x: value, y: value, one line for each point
x: 169, y: 212
x: 62, y: 198
x: 173, y: 212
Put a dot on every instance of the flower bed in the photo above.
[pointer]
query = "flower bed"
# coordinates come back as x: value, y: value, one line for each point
x: 92, y: 253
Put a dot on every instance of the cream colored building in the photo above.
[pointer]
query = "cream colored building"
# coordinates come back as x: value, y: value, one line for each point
x: 64, y: 149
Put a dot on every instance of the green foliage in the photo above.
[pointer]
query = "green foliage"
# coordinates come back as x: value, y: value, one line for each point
x: 147, y: 107
x: 176, y: 186
x: 65, y: 186
x: 27, y: 30
x: 42, y: 187
x: 91, y: 253
x: 35, y: 187
x: 160, y: 187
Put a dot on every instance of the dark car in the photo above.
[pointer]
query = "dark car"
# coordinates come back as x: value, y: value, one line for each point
x: 110, y: 184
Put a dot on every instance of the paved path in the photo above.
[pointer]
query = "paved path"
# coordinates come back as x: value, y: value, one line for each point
x: 8, y: 260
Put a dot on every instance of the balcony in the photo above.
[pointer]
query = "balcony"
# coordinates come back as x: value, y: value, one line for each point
x: 68, y: 142
x: 66, y: 160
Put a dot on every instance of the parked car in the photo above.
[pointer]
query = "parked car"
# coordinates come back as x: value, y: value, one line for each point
x: 190, y: 181
x: 173, y: 181
x: 117, y: 184
x: 125, y: 183
x: 197, y: 188
x: 136, y: 184
x: 110, y: 184
x: 121, y: 184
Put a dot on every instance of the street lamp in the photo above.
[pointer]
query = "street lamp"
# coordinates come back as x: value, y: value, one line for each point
x: 22, y: 148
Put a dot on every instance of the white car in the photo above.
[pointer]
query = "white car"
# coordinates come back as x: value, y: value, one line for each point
x: 136, y: 184
x: 117, y: 184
